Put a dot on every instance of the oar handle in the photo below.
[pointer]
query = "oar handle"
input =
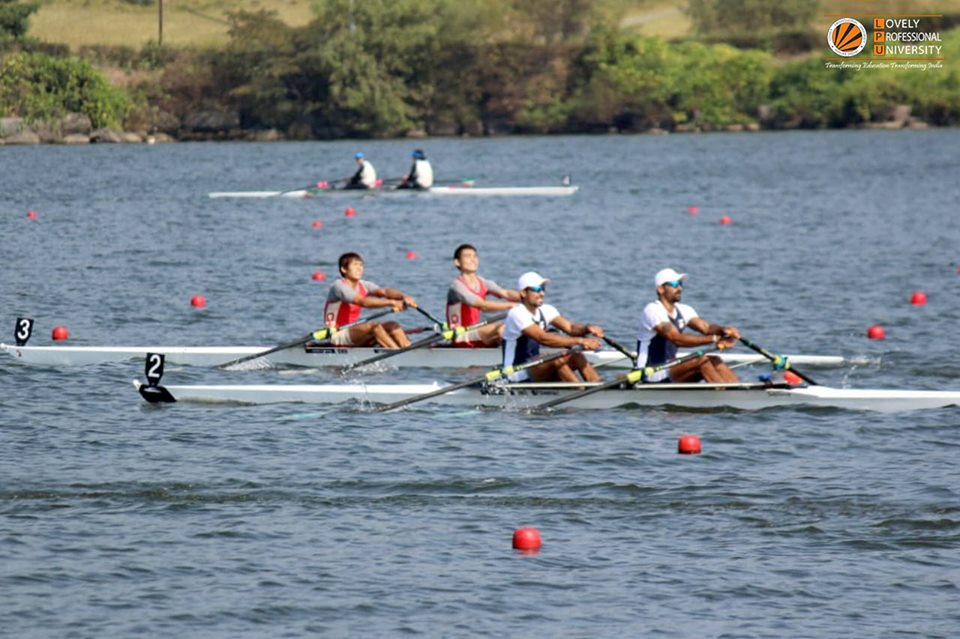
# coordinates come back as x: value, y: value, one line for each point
x: 490, y: 376
x: 778, y: 360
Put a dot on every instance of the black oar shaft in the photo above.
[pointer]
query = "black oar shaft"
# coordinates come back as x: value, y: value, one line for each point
x: 630, y: 355
x: 778, y: 360
x: 430, y: 317
x: 318, y: 334
x: 490, y: 376
x: 632, y: 377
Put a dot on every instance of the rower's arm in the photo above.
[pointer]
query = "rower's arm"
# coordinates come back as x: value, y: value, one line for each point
x: 575, y: 329
x: 491, y: 305
x: 687, y: 340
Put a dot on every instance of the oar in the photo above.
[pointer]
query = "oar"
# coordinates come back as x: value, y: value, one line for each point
x: 443, y: 325
x: 489, y: 376
x: 444, y: 335
x: 630, y: 355
x: 632, y: 377
x: 779, y: 361
x: 319, y: 334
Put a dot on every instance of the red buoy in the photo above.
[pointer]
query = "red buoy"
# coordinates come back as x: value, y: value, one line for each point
x: 876, y: 332
x: 693, y: 210
x: 60, y: 333
x: 319, y: 277
x: 919, y: 298
x: 32, y: 215
x: 688, y: 445
x: 350, y: 211
x: 317, y: 224
x: 411, y: 255
x: 725, y: 220
x: 198, y: 301
x: 526, y: 539
x: 792, y: 378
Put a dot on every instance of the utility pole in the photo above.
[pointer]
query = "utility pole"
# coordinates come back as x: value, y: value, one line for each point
x: 160, y: 20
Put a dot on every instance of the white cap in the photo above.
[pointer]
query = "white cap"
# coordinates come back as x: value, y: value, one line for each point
x: 530, y: 279
x: 668, y: 275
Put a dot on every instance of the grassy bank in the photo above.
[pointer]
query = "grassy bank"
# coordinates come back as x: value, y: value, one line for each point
x: 185, y: 22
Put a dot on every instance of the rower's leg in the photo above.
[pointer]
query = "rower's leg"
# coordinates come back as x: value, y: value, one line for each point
x: 365, y: 334
x: 578, y: 362
x: 722, y: 370
x: 688, y: 372
x: 490, y: 334
x: 398, y: 335
x: 715, y: 371
x: 382, y: 337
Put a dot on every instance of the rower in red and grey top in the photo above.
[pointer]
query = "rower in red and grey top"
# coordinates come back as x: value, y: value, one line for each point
x: 661, y: 332
x: 525, y: 329
x: 467, y: 299
x: 350, y: 295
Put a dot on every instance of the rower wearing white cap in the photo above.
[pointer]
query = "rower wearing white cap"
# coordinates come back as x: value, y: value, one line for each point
x: 661, y: 332
x: 525, y: 329
x: 366, y: 175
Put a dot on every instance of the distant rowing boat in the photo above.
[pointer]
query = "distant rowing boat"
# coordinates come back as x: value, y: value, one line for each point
x: 474, y: 191
x: 742, y: 396
x: 323, y: 356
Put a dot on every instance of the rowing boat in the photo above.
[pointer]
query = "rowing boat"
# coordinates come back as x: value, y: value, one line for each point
x: 476, y: 191
x: 323, y: 356
x: 742, y: 396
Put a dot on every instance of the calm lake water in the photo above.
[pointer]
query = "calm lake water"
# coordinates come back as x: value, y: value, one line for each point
x: 123, y: 519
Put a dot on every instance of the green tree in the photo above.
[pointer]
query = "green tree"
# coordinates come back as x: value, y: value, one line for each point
x: 38, y: 87
x: 15, y: 18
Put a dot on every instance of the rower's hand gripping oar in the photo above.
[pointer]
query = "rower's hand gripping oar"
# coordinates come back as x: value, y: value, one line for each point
x: 447, y: 334
x: 318, y: 335
x: 634, y: 376
x: 779, y: 361
x: 490, y: 376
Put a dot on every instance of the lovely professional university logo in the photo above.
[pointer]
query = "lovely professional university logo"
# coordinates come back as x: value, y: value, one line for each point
x: 899, y: 42
x: 847, y: 37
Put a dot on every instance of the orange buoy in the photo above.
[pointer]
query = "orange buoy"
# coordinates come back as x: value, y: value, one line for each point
x: 198, y: 301
x: 317, y: 224
x: 527, y: 539
x: 411, y: 255
x: 693, y: 210
x: 688, y: 445
x: 725, y: 220
x: 32, y: 215
x: 319, y: 276
x: 60, y: 333
x: 350, y: 211
x: 919, y: 298
x: 876, y: 332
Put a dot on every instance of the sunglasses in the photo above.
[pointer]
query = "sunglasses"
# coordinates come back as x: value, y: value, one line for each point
x: 674, y: 283
x: 537, y: 289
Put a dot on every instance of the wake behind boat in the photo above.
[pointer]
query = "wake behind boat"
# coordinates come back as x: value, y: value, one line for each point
x: 741, y: 396
x: 327, y: 356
